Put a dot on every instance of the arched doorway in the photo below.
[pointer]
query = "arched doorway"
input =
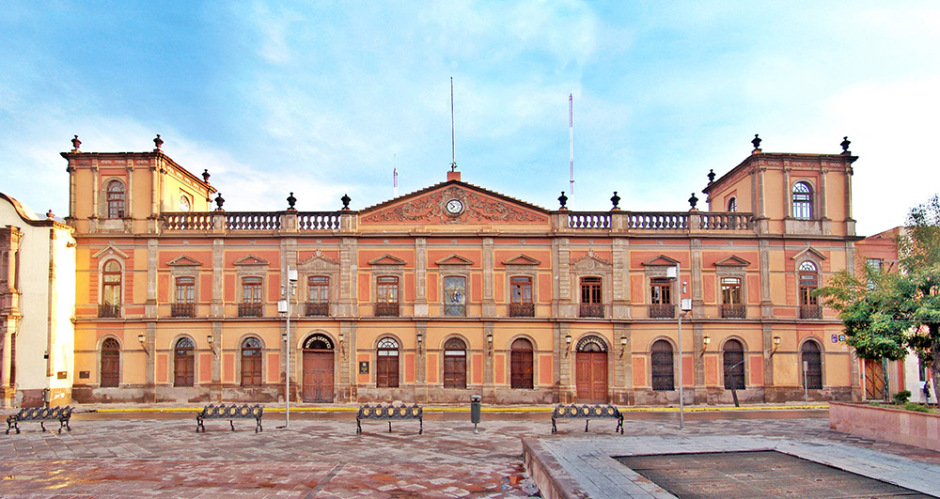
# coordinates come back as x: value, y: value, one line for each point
x: 318, y: 369
x: 591, y: 370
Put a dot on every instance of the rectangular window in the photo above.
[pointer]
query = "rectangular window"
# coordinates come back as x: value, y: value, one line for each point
x: 185, y: 305
x: 591, y: 305
x: 809, y: 305
x: 661, y: 306
x: 251, y: 305
x: 318, y: 293
x: 731, y: 302
x: 520, y: 289
x: 386, y: 296
x: 455, y: 296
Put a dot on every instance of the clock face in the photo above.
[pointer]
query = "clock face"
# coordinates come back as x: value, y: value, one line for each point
x: 454, y: 207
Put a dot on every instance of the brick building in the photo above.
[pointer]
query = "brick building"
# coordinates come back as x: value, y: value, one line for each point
x: 456, y: 290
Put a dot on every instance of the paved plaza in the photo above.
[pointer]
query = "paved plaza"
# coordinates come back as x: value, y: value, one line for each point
x: 159, y: 454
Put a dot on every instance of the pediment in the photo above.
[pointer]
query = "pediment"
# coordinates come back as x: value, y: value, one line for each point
x: 661, y: 261
x: 454, y: 259
x: 591, y: 262
x: 522, y: 259
x: 387, y: 260
x: 809, y: 250
x: 318, y: 262
x: 467, y: 204
x: 732, y: 261
x: 110, y: 250
x: 251, y: 260
x: 183, y: 261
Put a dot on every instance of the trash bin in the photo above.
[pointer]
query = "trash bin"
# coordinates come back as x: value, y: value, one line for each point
x: 475, y: 411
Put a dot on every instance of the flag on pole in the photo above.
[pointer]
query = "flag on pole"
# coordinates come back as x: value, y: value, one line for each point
x: 395, y: 177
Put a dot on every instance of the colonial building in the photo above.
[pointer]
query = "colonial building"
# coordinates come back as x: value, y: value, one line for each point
x: 456, y: 290
x: 37, y: 302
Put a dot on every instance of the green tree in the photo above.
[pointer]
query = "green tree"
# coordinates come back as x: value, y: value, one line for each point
x: 887, y: 313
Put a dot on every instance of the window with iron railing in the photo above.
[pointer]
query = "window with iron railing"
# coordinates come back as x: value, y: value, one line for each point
x: 318, y: 296
x: 386, y: 290
x: 111, y: 290
x: 591, y: 304
x: 520, y: 289
x: 251, y: 305
x: 661, y: 306
x: 809, y: 282
x: 185, y: 305
x: 731, y: 302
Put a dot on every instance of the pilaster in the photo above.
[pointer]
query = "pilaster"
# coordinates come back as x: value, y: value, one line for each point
x: 421, y: 277
x: 217, y: 306
x: 489, y: 302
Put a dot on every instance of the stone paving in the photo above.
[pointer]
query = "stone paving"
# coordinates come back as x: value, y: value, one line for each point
x: 160, y: 455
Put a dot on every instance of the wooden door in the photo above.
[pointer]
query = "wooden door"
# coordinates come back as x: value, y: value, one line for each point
x: 591, y: 377
x: 874, y: 380
x: 318, y: 376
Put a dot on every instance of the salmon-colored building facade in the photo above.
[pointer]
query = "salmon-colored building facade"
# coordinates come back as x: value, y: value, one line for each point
x: 456, y: 290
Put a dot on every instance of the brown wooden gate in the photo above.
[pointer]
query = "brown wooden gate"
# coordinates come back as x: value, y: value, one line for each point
x: 318, y: 376
x: 874, y: 380
x: 592, y: 377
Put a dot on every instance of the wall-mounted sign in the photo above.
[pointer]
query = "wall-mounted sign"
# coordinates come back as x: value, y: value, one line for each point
x: 364, y: 367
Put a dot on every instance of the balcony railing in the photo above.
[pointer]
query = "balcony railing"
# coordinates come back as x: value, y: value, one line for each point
x: 658, y: 221
x: 386, y: 309
x: 811, y: 312
x: 250, y: 309
x: 252, y: 221
x: 726, y: 221
x: 187, y: 221
x: 589, y: 220
x: 662, y: 311
x: 592, y: 310
x: 733, y: 311
x: 183, y: 309
x: 325, y: 220
x: 107, y: 310
x: 318, y: 309
x: 522, y: 310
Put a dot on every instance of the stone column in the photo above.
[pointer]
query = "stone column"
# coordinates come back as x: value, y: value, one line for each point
x: 217, y: 306
x: 698, y: 301
x: 563, y: 357
x: 150, y: 308
x: 767, y: 337
x: 421, y: 277
x: 489, y: 302
x: 698, y: 361
x: 766, y: 305
x: 348, y: 300
x: 621, y: 285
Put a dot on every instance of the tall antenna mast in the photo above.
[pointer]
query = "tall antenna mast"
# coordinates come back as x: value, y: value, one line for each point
x: 394, y: 176
x: 453, y: 149
x: 571, y: 143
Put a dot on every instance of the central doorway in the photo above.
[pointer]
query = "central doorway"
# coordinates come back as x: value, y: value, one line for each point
x: 318, y: 369
x: 591, y: 371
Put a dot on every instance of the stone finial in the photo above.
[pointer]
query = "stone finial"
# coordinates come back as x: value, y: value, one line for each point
x: 711, y: 176
x: 615, y: 199
x: 291, y: 200
x: 76, y: 144
x: 345, y: 199
x: 845, y: 145
x: 205, y: 175
x: 157, y: 143
x: 693, y: 201
x: 756, y: 141
x: 50, y: 215
x: 563, y: 200
x: 219, y: 201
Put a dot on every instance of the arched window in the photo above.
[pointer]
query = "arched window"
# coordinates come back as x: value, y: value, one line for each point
x: 184, y: 363
x: 809, y: 281
x: 521, y: 362
x: 733, y: 204
x: 110, y: 290
x: 662, y: 364
x: 386, y: 364
x: 734, y: 365
x: 455, y: 363
x: 812, y: 365
x: 115, y: 199
x: 802, y: 201
x: 110, y: 363
x: 251, y: 362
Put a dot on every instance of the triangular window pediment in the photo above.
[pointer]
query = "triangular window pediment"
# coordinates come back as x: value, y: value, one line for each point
x: 251, y: 260
x: 811, y: 251
x: 110, y: 250
x: 454, y: 259
x: 183, y: 261
x: 590, y: 262
x: 732, y: 261
x: 387, y: 260
x: 522, y: 259
x: 661, y: 261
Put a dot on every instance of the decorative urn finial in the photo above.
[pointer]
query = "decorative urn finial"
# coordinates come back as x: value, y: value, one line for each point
x: 693, y: 201
x: 205, y: 175
x: 345, y: 199
x: 615, y: 199
x: 563, y: 200
x: 711, y: 176
x: 845, y: 145
x: 756, y: 141
x: 219, y: 201
x: 76, y: 144
x: 157, y: 143
x: 291, y: 200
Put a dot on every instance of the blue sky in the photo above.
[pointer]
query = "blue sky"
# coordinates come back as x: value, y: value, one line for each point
x: 326, y: 98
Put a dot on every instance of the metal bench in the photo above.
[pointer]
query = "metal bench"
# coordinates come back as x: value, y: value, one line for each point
x: 389, y: 413
x: 587, y: 413
x: 41, y: 415
x: 231, y: 413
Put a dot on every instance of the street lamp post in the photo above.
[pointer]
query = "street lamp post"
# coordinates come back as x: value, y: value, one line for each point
x: 673, y: 274
x: 284, y: 306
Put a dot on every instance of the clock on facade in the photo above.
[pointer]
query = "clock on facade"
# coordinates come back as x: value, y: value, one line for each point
x: 454, y: 207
